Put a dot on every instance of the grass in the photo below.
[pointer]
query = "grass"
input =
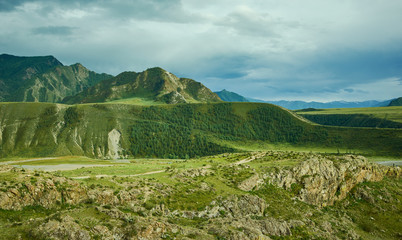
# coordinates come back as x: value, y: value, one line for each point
x: 390, y: 113
x: 265, y: 146
x: 139, y: 166
x: 377, y: 219
x: 13, y: 223
x: 135, y: 101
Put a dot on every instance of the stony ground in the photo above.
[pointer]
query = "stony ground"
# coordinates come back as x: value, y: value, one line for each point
x: 263, y: 195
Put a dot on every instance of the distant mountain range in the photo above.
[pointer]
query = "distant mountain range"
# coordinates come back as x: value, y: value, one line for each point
x: 292, y: 105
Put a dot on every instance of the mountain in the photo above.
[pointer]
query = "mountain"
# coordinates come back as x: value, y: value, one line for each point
x: 231, y: 96
x: 15, y: 72
x: 154, y: 84
x: 396, y: 102
x: 42, y: 79
x: 293, y: 105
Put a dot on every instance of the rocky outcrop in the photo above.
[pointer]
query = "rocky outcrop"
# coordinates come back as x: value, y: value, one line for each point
x: 321, y: 181
x: 252, y: 183
x: 47, y: 193
x: 64, y: 228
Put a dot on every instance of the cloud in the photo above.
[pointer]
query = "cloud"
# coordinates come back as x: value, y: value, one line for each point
x: 349, y: 90
x: 246, y: 21
x: 54, y: 30
x: 10, y: 5
x: 267, y: 49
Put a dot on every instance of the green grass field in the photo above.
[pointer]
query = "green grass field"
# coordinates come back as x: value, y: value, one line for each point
x: 389, y: 113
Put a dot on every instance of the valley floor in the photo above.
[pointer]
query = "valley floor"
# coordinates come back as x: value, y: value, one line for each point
x: 259, y: 195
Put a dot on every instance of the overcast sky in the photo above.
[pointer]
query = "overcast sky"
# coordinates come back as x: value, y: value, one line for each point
x: 320, y: 50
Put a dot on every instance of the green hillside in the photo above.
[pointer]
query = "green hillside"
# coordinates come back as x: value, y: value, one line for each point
x: 154, y: 84
x: 228, y: 96
x: 396, y: 102
x: 118, y: 130
x: 42, y: 79
x: 375, y: 117
x: 352, y: 120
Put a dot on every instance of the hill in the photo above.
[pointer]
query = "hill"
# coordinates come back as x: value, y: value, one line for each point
x: 379, y: 117
x: 42, y: 79
x: 396, y: 102
x: 228, y: 96
x: 181, y: 130
x: 294, y: 105
x: 154, y: 84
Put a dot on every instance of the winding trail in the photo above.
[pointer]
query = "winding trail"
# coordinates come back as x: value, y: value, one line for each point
x: 246, y: 160
x: 131, y: 175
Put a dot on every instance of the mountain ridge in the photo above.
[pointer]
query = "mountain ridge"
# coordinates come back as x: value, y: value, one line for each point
x: 155, y: 84
x: 42, y: 79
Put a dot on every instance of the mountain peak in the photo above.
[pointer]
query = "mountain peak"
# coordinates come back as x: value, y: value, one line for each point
x: 42, y: 79
x: 155, y: 84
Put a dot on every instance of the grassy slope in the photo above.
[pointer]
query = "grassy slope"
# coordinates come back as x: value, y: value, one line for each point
x: 390, y: 113
x: 204, y: 129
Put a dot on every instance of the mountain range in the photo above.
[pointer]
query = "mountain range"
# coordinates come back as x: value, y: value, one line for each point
x: 45, y: 79
x: 293, y: 105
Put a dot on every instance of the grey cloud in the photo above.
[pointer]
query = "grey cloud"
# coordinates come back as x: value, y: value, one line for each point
x: 349, y: 90
x: 153, y: 10
x: 10, y: 5
x: 156, y: 10
x: 53, y: 30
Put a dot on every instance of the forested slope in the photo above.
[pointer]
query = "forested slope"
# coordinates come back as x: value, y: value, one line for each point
x: 181, y: 130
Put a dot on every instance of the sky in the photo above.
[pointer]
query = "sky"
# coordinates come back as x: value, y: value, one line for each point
x: 310, y: 50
